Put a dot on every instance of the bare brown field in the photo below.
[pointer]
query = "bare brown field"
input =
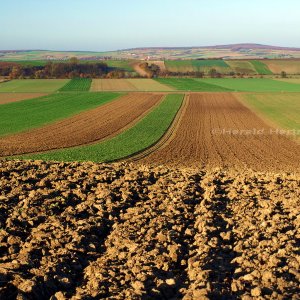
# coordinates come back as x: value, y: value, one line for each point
x: 89, y: 231
x: 87, y: 127
x: 216, y: 130
x: 14, y: 97
x: 289, y: 66
x: 99, y: 85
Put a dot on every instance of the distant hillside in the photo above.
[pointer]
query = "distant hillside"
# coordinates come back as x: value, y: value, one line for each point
x: 233, y: 51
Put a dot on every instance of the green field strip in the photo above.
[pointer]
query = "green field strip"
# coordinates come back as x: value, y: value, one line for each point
x: 206, y: 65
x: 179, y: 65
x: 253, y: 84
x: 281, y: 109
x: 135, y: 139
x: 77, y: 85
x: 27, y: 114
x: 261, y: 68
x: 32, y: 85
x: 190, y: 84
x: 120, y: 64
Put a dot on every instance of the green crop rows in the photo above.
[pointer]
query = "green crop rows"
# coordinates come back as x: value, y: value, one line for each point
x: 77, y: 85
x: 261, y: 68
x: 189, y: 84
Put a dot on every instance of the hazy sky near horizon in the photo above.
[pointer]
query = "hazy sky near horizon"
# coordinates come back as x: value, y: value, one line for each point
x: 99, y: 25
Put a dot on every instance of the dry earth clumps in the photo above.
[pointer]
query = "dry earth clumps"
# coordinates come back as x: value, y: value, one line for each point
x: 122, y: 231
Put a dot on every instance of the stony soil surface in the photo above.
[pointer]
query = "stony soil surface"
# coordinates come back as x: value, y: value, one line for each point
x: 89, y: 126
x: 217, y: 130
x: 123, y: 231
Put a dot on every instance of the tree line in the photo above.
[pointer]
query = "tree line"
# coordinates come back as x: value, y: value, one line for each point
x: 71, y: 69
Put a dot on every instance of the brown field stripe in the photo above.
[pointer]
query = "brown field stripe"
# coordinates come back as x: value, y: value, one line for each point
x: 14, y: 97
x: 163, y: 142
x: 90, y: 126
x: 194, y: 144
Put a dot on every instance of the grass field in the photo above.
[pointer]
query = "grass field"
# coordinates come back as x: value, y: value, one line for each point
x: 77, y: 85
x: 124, y: 65
x: 144, y: 134
x: 189, y: 84
x: 32, y: 85
x: 21, y: 116
x: 261, y: 68
x: 281, y: 109
x: 253, y: 84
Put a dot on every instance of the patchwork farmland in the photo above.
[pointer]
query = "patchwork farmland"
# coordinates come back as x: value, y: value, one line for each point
x: 166, y: 188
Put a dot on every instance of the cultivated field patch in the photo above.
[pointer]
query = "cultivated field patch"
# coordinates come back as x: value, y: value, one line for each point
x: 252, y: 84
x: 144, y: 134
x: 189, y: 84
x: 206, y: 65
x: 99, y: 85
x: 216, y: 130
x: 290, y: 80
x: 77, y: 85
x: 32, y: 85
x: 261, y: 68
x: 28, y: 114
x: 89, y: 126
x: 288, y: 66
x: 241, y: 66
x: 149, y: 85
x: 14, y: 97
x: 282, y: 109
x: 145, y: 85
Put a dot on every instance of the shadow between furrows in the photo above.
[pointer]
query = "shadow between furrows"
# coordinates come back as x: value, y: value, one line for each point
x: 221, y: 240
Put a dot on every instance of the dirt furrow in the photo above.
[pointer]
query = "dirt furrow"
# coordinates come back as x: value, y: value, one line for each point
x: 216, y: 130
x: 210, y: 266
x: 147, y: 251
x: 87, y: 127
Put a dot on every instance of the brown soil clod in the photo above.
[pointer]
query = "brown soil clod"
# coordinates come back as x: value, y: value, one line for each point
x: 127, y: 231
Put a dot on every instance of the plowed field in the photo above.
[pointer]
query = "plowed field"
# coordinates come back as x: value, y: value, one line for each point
x: 14, y: 97
x: 89, y: 126
x: 217, y: 130
x: 87, y: 231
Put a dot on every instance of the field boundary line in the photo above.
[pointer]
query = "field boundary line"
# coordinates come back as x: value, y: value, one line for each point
x: 165, y: 139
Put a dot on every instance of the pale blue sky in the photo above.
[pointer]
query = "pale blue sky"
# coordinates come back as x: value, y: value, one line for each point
x: 99, y: 25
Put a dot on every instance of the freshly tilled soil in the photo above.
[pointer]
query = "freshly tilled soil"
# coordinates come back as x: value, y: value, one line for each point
x: 87, y: 127
x: 123, y: 231
x: 216, y: 130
